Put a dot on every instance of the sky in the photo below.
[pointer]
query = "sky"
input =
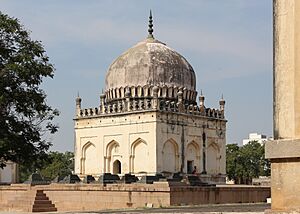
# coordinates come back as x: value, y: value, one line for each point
x: 228, y: 43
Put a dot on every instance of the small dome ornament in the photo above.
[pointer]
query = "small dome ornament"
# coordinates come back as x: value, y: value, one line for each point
x: 150, y: 29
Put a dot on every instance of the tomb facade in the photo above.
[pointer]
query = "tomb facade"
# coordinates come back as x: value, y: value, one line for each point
x: 148, y: 120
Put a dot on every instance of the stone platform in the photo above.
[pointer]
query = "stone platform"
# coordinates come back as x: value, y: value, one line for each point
x: 92, y: 197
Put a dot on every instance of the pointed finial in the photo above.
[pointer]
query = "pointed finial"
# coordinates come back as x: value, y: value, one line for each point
x: 201, y: 92
x: 150, y: 29
x: 78, y: 99
x: 222, y: 103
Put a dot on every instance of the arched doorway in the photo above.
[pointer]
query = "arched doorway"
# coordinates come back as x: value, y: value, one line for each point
x: 112, y: 154
x: 117, y: 167
x: 192, y: 156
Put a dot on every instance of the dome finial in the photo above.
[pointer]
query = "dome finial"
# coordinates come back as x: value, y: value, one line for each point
x: 150, y: 29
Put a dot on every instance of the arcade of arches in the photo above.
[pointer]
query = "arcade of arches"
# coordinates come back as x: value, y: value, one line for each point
x: 120, y: 150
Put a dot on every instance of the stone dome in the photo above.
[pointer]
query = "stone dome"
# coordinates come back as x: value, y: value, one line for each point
x: 150, y: 62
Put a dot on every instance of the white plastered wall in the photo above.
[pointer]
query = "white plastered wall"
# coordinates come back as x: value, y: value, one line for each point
x: 177, y: 130
x: 149, y: 142
x: 9, y: 174
x: 129, y: 138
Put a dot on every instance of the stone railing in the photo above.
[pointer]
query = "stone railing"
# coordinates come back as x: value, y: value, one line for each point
x: 136, y: 104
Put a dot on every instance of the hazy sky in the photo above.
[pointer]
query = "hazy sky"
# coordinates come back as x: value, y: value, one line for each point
x: 228, y: 43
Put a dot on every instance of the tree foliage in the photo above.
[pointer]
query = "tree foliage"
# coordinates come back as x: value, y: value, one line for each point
x: 25, y: 117
x: 246, y: 162
x: 62, y: 164
x: 57, y: 164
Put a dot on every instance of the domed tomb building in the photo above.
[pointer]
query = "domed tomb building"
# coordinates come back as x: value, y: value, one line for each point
x: 148, y: 120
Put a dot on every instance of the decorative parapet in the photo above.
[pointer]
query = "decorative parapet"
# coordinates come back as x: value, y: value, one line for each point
x: 128, y: 103
x: 168, y: 92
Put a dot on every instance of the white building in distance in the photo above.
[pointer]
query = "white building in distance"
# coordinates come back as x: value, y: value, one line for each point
x: 9, y: 174
x: 260, y: 138
x: 148, y: 120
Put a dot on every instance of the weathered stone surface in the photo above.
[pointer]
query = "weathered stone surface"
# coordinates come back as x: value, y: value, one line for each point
x: 285, y: 184
x: 9, y: 174
x: 286, y: 69
x: 91, y: 197
x: 282, y: 149
x: 150, y: 62
x: 284, y: 152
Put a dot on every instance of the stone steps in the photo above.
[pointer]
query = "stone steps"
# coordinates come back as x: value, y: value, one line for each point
x: 42, y: 203
x: 31, y: 201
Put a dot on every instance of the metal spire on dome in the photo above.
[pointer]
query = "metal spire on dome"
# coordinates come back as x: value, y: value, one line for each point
x: 150, y: 29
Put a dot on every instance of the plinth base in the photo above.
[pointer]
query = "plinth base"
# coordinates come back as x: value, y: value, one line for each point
x: 285, y: 175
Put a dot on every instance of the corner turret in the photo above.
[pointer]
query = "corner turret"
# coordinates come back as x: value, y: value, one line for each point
x: 201, y: 99
x: 78, y: 105
x: 222, y: 104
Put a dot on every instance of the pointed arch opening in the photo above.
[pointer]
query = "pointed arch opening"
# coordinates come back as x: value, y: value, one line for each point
x: 88, y: 166
x: 112, y: 153
x: 139, y: 156
x: 213, y: 159
x: 192, y: 155
x: 170, y: 156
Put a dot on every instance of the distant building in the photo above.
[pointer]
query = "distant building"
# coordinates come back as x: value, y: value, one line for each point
x: 9, y: 174
x: 260, y: 138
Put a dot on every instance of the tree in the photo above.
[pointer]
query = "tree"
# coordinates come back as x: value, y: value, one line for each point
x: 62, y: 164
x: 25, y: 117
x: 231, y: 160
x: 57, y: 164
x: 246, y: 162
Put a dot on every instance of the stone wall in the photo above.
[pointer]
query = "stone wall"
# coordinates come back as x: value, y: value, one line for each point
x: 17, y: 197
x: 92, y: 197
x: 223, y: 194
